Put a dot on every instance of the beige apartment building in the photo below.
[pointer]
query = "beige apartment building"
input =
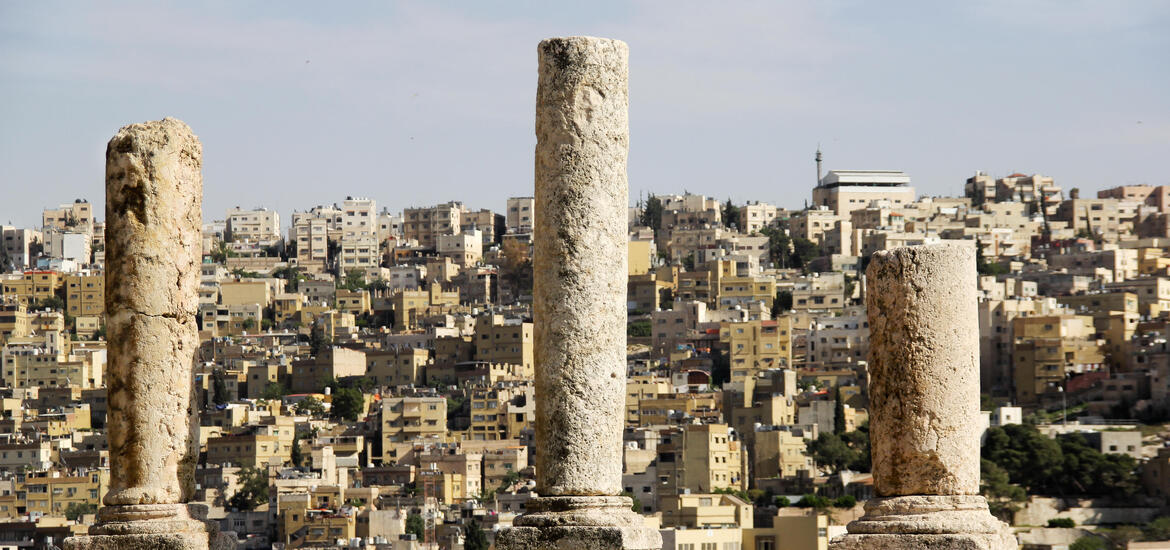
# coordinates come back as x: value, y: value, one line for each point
x: 426, y: 224
x: 407, y: 419
x: 260, y: 225
x: 1050, y: 347
x: 397, y: 367
x: 844, y: 191
x: 755, y: 216
x: 755, y: 346
x: 701, y: 458
x: 85, y: 295
x: 520, y: 216
x: 506, y: 341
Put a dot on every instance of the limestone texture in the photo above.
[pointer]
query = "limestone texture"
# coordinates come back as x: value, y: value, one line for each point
x: 154, y: 196
x: 576, y: 522
x: 924, y: 370
x: 579, y: 294
x: 580, y: 258
x: 924, y: 406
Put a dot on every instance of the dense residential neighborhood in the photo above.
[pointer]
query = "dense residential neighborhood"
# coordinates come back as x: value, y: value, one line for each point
x: 365, y: 375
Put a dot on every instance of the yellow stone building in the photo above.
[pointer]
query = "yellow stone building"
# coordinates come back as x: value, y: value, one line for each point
x: 85, y: 295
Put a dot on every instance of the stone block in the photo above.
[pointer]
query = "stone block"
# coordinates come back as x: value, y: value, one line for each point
x: 579, y: 523
x: 927, y: 521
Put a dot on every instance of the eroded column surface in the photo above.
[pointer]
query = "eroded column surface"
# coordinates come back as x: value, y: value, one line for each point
x: 580, y: 269
x: 924, y: 404
x: 579, y: 265
x: 924, y: 371
x: 154, y: 194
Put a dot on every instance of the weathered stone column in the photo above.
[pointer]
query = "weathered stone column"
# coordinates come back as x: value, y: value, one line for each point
x: 580, y: 259
x: 924, y: 405
x: 154, y: 197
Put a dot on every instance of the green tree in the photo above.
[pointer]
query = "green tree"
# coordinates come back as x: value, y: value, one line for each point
x: 652, y: 213
x: 730, y: 214
x: 839, y: 413
x: 782, y: 303
x: 782, y: 502
x: 415, y: 526
x: 253, y: 489
x: 292, y: 276
x: 219, y: 392
x: 248, y: 324
x: 804, y: 251
x: 296, y: 456
x: 1088, y: 542
x: 636, y: 505
x: 355, y: 279
x: 348, y: 404
x: 845, y: 501
x: 310, y: 406
x: 779, y: 246
x: 638, y: 329
x: 274, y: 391
x: 475, y: 539
x: 1066, y: 523
x: 319, y: 341
x: 1061, y: 467
x: 75, y: 510
x: 1159, y: 529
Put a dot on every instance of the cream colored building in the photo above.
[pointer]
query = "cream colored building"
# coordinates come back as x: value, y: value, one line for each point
x: 844, y: 191
x: 259, y: 225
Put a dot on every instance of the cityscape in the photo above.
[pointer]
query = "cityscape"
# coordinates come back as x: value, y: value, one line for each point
x: 367, y: 373
x: 783, y: 276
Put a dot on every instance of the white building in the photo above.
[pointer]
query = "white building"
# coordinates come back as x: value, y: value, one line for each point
x: 260, y: 225
x: 520, y: 214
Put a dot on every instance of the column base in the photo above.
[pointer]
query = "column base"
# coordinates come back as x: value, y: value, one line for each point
x: 160, y: 526
x: 579, y: 523
x: 958, y: 522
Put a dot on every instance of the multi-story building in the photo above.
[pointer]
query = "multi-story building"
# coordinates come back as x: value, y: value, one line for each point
x: 755, y: 216
x: 1049, y: 348
x: 407, y: 419
x: 701, y: 458
x: 426, y: 224
x: 66, y: 217
x: 520, y: 217
x: 85, y: 294
x: 755, y: 346
x: 50, y: 493
x: 397, y: 367
x: 14, y: 247
x: 836, y: 339
x: 780, y: 451
x: 844, y: 191
x: 260, y: 225
x: 465, y: 249
x: 501, y: 340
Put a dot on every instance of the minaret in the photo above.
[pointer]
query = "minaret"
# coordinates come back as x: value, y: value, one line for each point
x: 819, y: 158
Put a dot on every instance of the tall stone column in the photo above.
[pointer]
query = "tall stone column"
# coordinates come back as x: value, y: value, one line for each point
x: 924, y: 405
x: 580, y: 269
x: 154, y: 196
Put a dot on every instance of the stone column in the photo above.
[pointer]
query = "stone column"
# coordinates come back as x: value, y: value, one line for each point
x: 580, y: 259
x: 924, y: 405
x: 154, y: 196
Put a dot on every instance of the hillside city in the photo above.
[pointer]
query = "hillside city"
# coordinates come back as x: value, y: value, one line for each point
x: 365, y: 375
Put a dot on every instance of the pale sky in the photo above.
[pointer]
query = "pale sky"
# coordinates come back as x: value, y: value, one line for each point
x: 416, y: 103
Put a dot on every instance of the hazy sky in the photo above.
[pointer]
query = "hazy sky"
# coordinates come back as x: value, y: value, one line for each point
x: 413, y: 103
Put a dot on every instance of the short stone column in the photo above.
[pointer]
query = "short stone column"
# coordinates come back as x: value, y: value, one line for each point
x: 154, y: 197
x: 924, y: 405
x: 580, y: 270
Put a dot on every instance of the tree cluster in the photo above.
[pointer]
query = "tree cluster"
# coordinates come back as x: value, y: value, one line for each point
x: 847, y: 451
x: 1066, y: 466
